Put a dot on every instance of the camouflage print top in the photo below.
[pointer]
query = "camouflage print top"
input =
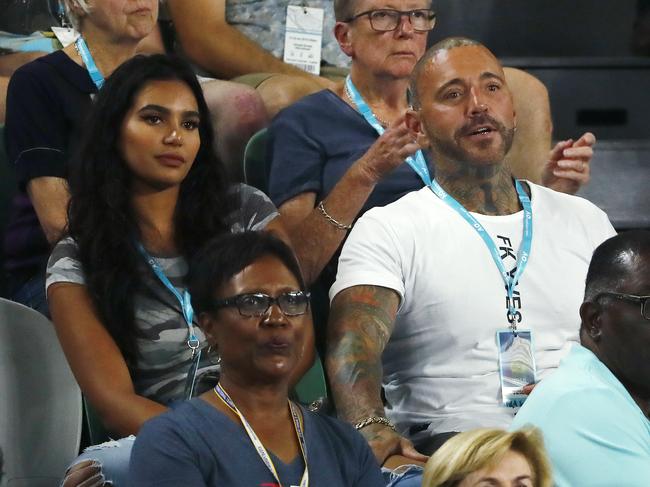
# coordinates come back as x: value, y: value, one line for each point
x: 263, y: 21
x: 164, y: 357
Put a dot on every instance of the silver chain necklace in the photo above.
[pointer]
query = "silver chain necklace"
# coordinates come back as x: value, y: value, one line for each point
x: 383, y: 122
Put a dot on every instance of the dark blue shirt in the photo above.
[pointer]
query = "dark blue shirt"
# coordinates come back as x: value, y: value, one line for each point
x: 47, y: 101
x: 313, y: 142
x: 197, y: 445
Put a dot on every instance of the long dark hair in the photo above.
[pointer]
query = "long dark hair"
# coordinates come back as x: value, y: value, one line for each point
x: 100, y: 217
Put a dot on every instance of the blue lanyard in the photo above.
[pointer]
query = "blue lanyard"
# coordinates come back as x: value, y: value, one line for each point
x: 184, y: 299
x: 88, y: 60
x: 259, y: 447
x: 523, y: 255
x: 418, y: 163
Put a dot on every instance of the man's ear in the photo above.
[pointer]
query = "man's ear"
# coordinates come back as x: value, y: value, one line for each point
x: 413, y: 123
x: 343, y: 35
x: 590, y: 316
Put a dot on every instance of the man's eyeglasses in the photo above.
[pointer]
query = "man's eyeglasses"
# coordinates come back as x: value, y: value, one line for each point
x: 384, y: 20
x: 292, y: 303
x: 645, y: 308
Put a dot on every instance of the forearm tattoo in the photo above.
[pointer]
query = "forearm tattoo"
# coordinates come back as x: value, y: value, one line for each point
x: 361, y: 322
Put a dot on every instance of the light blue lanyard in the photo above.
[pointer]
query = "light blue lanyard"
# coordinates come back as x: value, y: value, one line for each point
x: 185, y: 302
x: 88, y: 60
x: 418, y: 163
x: 523, y: 255
x: 184, y: 299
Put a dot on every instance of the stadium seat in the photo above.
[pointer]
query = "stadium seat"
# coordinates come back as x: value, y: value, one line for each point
x: 40, y: 402
x: 312, y: 388
x: 256, y: 169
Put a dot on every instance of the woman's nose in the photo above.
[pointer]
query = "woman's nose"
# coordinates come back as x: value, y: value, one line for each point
x: 275, y: 316
x: 174, y: 138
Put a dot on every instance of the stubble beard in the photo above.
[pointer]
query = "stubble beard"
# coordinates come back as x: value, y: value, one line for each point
x: 451, y: 149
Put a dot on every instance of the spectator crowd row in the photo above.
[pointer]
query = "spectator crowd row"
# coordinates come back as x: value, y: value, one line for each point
x: 462, y: 347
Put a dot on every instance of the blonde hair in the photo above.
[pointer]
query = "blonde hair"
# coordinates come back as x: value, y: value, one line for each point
x: 74, y: 19
x: 474, y: 450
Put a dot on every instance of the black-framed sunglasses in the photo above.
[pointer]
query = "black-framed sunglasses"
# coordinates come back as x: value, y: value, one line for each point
x: 645, y: 308
x: 291, y: 303
x: 385, y: 19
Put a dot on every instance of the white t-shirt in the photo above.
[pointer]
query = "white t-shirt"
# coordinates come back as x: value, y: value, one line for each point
x: 441, y: 365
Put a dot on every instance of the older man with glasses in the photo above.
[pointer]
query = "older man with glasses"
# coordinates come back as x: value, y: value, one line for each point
x: 594, y: 409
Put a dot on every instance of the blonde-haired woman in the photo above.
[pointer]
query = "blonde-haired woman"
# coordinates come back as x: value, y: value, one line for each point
x: 491, y: 457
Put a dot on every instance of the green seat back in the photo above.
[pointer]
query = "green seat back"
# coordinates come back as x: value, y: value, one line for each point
x: 312, y: 388
x: 256, y: 169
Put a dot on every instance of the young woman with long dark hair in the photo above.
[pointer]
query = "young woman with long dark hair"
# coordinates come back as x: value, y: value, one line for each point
x: 146, y: 192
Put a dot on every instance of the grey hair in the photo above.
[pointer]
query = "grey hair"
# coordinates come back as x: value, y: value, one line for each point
x: 72, y: 17
x: 444, y: 45
x: 344, y: 9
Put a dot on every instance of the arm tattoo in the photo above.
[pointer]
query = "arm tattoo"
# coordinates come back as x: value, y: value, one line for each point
x: 361, y: 322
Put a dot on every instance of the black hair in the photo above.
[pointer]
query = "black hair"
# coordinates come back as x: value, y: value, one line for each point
x: 100, y: 216
x: 613, y: 261
x: 225, y: 256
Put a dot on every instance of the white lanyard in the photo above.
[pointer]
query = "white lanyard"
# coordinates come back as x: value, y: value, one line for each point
x: 259, y: 447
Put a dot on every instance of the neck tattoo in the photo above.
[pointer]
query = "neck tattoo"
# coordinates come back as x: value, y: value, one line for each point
x: 489, y: 197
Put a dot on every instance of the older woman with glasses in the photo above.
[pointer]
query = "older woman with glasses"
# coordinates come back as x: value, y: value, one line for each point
x: 336, y: 154
x: 251, y: 301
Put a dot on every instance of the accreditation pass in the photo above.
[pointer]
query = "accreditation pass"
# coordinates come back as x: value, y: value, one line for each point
x: 304, y: 38
x: 516, y: 365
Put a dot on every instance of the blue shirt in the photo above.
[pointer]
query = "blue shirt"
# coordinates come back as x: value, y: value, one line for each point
x: 197, y: 445
x: 313, y: 142
x: 47, y: 102
x: 595, y: 434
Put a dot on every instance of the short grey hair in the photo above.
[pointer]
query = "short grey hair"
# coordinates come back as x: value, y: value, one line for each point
x: 72, y: 17
x: 344, y: 9
x: 444, y: 45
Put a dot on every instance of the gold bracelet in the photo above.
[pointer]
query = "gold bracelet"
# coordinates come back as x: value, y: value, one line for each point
x: 374, y: 420
x: 330, y: 219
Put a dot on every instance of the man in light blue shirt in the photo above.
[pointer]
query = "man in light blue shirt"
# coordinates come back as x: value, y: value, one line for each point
x: 594, y: 409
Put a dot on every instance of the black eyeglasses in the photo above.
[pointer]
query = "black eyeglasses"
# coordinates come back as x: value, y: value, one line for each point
x: 384, y: 20
x: 645, y: 309
x: 292, y: 303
